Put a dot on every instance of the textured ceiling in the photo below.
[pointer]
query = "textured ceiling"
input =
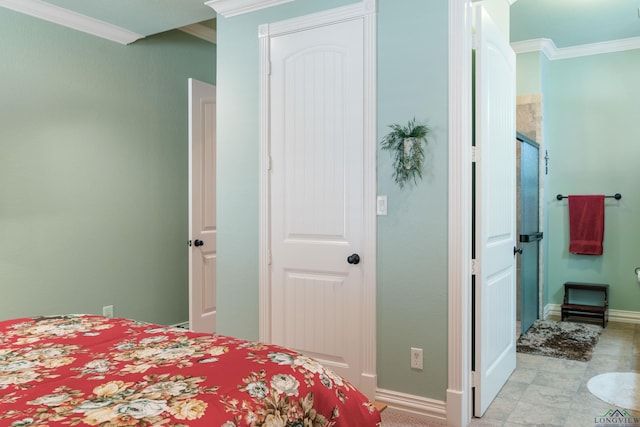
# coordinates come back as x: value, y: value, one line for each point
x: 574, y: 22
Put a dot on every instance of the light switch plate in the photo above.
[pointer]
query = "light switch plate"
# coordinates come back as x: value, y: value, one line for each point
x: 381, y: 205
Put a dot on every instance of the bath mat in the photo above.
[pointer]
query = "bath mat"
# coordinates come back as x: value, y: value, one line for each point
x: 621, y: 389
x: 563, y: 340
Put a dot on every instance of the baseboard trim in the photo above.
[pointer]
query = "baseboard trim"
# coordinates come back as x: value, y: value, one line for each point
x: 415, y: 406
x: 552, y: 311
x: 183, y: 325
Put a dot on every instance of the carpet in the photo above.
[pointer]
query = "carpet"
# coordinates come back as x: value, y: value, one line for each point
x: 621, y: 389
x: 563, y: 340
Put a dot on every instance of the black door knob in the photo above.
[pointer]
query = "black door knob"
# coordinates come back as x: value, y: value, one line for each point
x: 353, y: 259
x: 517, y: 250
x: 198, y: 243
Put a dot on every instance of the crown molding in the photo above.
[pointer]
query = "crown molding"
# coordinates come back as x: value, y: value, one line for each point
x: 201, y: 31
x: 548, y: 47
x: 73, y: 20
x: 228, y: 8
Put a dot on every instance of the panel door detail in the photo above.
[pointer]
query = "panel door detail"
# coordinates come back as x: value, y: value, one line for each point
x: 202, y: 206
x: 317, y: 193
x: 495, y: 284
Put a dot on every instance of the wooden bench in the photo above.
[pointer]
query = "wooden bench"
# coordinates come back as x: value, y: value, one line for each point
x: 379, y: 405
x: 586, y: 310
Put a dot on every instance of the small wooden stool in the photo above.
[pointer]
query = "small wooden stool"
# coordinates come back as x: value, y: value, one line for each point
x: 586, y: 310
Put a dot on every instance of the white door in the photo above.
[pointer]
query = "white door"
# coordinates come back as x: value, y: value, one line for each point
x: 495, y: 282
x: 317, y: 193
x: 202, y: 206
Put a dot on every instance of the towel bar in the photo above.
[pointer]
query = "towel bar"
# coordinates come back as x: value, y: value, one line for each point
x: 616, y: 196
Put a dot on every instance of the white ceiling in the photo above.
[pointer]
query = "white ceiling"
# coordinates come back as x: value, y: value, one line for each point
x: 144, y: 17
x: 575, y: 22
x: 123, y: 21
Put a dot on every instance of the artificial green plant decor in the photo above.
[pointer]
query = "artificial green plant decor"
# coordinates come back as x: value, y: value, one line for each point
x: 405, y: 144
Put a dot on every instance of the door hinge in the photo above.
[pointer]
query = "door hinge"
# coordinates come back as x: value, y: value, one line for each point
x: 269, y: 258
x: 269, y: 163
x: 474, y: 379
x: 474, y: 154
x: 473, y: 267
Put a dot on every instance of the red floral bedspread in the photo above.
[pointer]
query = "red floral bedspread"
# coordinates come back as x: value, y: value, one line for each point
x: 91, y: 370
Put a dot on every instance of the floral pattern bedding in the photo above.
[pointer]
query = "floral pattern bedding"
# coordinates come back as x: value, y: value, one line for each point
x: 91, y: 370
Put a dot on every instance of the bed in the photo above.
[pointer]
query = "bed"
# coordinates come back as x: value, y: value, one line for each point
x: 90, y: 370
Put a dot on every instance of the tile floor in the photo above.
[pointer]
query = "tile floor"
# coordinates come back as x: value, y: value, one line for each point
x: 553, y: 392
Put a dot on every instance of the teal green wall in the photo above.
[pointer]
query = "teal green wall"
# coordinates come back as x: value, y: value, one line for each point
x: 412, y: 239
x: 528, y: 73
x: 93, y: 170
x: 593, y: 133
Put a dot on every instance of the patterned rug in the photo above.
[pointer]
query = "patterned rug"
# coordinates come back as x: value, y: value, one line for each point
x: 563, y: 340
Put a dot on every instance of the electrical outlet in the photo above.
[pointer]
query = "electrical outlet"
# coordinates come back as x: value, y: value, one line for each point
x: 107, y: 311
x: 416, y: 358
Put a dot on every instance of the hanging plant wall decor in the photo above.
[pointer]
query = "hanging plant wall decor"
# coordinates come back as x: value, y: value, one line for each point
x: 405, y: 144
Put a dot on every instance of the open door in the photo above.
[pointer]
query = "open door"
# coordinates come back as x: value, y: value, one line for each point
x: 202, y: 206
x: 495, y: 213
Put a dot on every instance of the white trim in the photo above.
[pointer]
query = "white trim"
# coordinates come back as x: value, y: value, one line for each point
x: 354, y: 11
x: 552, y: 52
x: 369, y: 379
x: 200, y: 31
x: 546, y: 46
x: 552, y: 311
x: 366, y: 11
x: 71, y: 19
x: 459, y: 269
x: 414, y: 406
x: 181, y: 325
x: 228, y: 8
x: 264, y: 215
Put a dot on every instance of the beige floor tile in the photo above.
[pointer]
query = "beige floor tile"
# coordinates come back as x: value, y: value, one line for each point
x: 486, y: 422
x: 568, y: 382
x: 550, y: 396
x: 513, y: 390
x: 544, y: 391
x: 573, y: 367
x: 500, y: 408
x: 523, y: 375
x: 537, y: 415
x: 603, y: 363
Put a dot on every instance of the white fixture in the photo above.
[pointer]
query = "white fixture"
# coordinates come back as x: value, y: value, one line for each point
x: 416, y: 358
x: 381, y: 205
x: 107, y: 311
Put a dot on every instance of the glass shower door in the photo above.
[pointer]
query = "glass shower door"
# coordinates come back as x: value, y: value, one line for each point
x: 530, y: 235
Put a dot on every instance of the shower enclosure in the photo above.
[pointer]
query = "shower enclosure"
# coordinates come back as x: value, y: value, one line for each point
x: 528, y: 230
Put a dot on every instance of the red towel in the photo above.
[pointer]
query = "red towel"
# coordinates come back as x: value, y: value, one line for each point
x: 586, y: 224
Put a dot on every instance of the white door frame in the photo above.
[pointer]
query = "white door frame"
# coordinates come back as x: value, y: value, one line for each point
x: 365, y: 10
x: 460, y: 137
